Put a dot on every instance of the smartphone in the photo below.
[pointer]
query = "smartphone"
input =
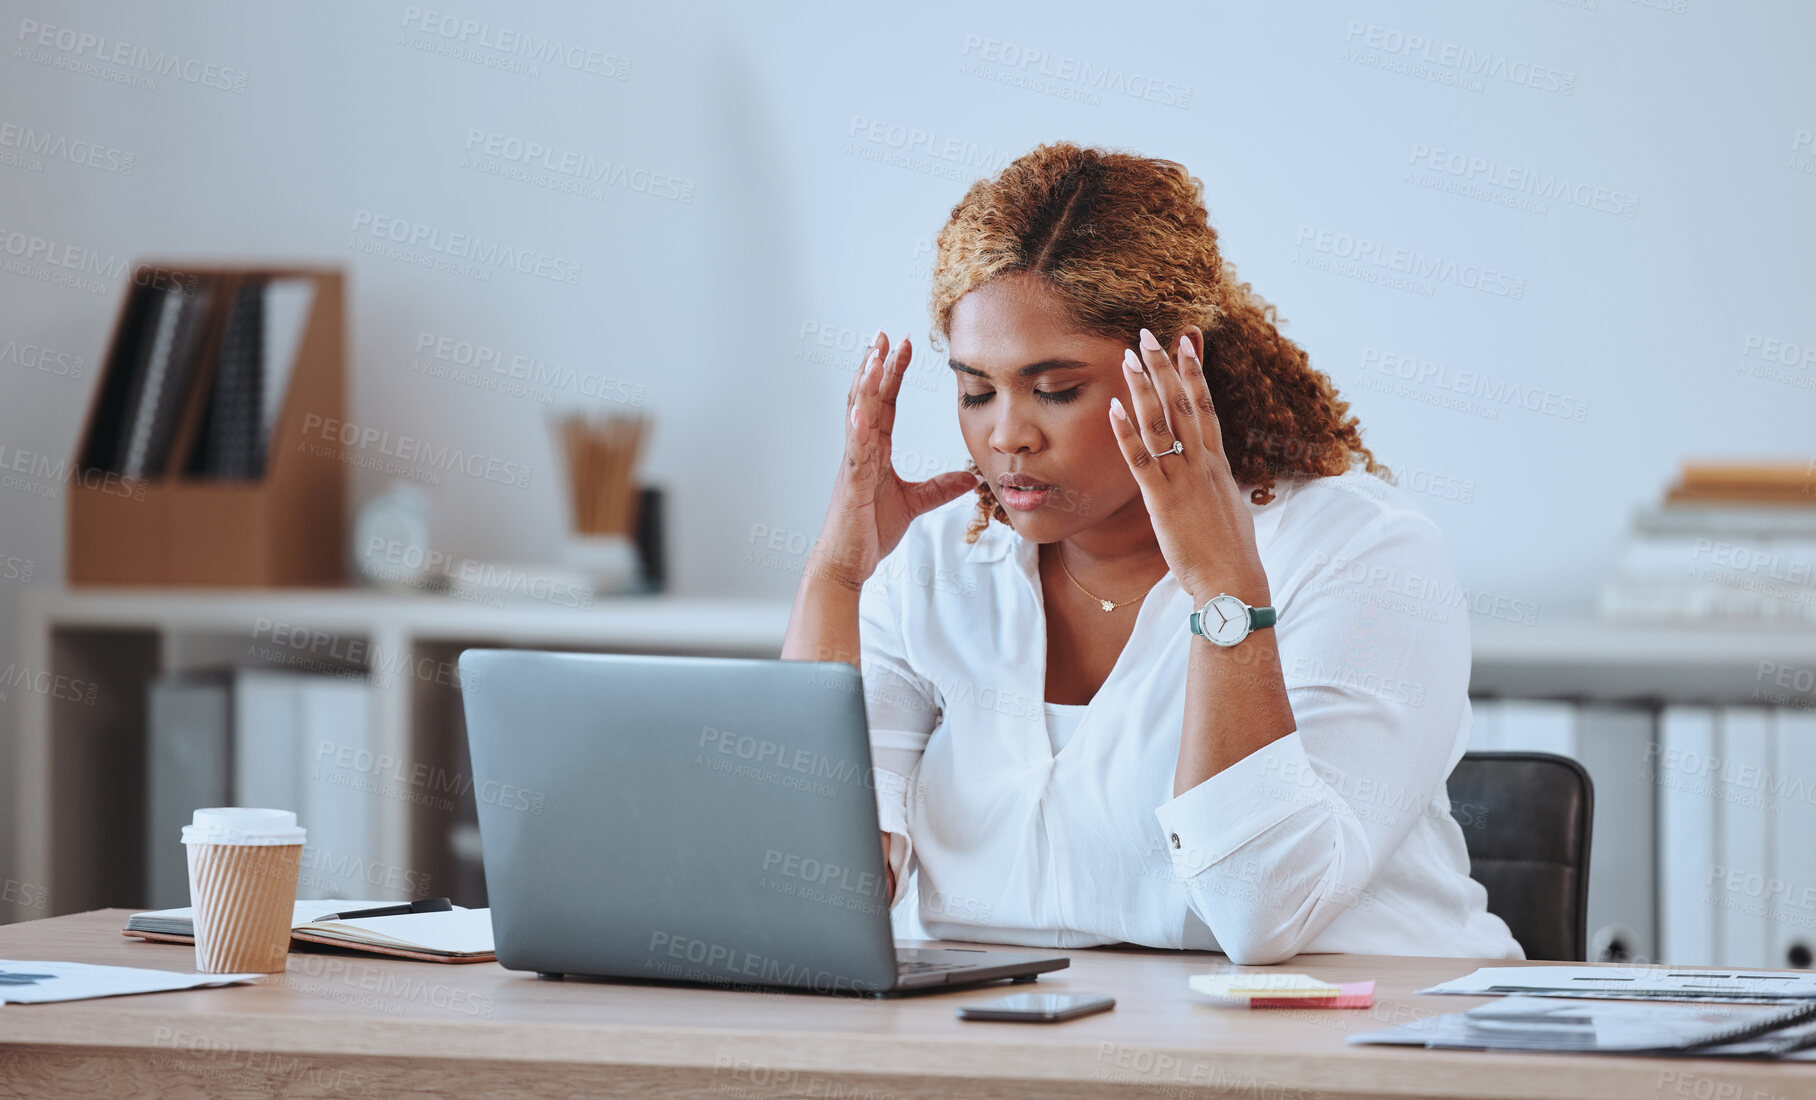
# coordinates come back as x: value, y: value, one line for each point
x: 1037, y: 1008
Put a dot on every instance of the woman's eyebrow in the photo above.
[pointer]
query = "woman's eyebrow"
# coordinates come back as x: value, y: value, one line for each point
x: 1031, y: 368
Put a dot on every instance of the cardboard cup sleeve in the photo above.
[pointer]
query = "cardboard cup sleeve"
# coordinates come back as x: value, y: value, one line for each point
x: 243, y: 868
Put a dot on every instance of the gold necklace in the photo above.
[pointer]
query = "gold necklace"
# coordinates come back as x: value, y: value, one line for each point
x: 1106, y: 604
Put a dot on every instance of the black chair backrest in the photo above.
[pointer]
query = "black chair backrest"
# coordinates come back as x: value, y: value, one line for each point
x: 1526, y: 818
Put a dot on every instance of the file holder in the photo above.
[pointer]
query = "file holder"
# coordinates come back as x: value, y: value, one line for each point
x: 285, y: 528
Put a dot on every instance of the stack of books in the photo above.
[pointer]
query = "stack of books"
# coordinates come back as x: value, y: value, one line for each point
x: 1730, y: 542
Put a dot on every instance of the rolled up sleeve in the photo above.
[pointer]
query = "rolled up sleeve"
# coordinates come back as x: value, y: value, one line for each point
x: 1232, y: 809
x: 1374, y: 647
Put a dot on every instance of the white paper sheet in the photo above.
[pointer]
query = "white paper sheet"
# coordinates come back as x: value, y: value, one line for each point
x: 33, y: 981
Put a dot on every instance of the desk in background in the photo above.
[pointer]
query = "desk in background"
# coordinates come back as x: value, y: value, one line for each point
x: 350, y: 1025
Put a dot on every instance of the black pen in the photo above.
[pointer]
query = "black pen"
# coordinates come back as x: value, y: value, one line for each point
x: 426, y: 905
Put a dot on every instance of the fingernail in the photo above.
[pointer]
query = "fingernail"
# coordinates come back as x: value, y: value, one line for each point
x: 1117, y: 410
x: 1148, y: 341
x: 1185, y: 347
x: 877, y: 339
x: 1129, y: 362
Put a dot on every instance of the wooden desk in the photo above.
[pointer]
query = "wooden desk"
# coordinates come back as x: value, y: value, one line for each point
x: 348, y: 1025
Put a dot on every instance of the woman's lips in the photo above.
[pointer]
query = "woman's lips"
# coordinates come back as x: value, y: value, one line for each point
x: 1025, y: 499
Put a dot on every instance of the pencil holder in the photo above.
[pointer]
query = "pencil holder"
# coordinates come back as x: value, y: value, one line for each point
x: 605, y: 540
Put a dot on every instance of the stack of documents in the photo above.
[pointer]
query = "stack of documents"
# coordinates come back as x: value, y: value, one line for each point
x: 1624, y: 1010
x: 1652, y: 983
x: 1616, y: 1027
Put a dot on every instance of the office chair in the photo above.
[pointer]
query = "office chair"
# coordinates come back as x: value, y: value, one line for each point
x: 1526, y: 819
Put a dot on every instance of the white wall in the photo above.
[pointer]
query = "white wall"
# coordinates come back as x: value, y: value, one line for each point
x: 805, y: 218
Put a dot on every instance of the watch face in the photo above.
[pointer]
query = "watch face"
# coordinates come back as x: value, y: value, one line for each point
x: 1225, y: 620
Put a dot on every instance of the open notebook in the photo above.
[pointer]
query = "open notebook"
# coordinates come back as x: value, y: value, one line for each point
x: 461, y: 935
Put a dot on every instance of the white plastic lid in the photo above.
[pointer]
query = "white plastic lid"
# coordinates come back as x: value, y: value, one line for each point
x: 243, y: 825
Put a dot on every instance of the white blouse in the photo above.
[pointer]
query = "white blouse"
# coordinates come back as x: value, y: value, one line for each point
x: 1335, y: 838
x: 1062, y: 723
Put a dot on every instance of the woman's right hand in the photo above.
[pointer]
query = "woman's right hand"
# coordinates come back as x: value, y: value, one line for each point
x: 871, y: 504
x: 888, y: 873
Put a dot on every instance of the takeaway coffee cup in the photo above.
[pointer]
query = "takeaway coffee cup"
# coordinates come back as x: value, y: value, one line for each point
x: 242, y: 885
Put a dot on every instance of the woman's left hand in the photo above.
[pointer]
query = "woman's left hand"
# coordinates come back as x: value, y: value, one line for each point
x: 1206, y: 533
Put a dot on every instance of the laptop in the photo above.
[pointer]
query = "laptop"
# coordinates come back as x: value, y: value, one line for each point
x: 698, y: 820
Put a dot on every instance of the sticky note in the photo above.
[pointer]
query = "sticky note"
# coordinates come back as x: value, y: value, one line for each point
x: 1240, y: 988
x: 1350, y: 995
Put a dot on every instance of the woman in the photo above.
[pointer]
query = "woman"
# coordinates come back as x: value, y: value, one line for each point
x: 1064, y: 751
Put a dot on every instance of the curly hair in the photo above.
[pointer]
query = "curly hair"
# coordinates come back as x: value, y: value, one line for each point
x: 1126, y: 243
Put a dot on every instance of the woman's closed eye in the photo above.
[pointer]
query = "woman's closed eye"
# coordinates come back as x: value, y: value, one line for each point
x: 1056, y: 397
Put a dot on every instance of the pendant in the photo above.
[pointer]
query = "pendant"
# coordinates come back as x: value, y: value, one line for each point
x: 1107, y: 605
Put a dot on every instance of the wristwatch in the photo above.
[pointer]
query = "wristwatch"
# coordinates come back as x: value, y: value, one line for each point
x: 1226, y: 620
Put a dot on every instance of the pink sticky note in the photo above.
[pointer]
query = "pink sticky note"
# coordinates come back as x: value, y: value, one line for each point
x: 1351, y: 995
